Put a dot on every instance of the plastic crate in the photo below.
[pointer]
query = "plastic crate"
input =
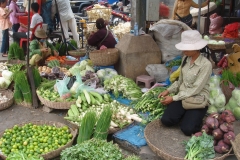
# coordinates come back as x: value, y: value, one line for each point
x: 24, y: 19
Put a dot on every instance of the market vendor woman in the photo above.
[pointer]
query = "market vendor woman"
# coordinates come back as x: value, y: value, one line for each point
x: 102, y: 38
x: 191, y: 91
x: 40, y: 48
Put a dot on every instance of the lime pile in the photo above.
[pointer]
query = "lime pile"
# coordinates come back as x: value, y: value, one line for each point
x: 34, y: 139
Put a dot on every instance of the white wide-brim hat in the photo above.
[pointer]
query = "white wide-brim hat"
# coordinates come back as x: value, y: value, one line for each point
x: 191, y: 40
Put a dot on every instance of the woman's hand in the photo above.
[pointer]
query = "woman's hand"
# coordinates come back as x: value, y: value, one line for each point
x: 163, y: 94
x: 103, y: 47
x: 55, y: 53
x: 44, y: 50
x: 167, y: 100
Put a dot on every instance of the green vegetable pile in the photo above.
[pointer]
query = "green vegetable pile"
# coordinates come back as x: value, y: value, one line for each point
x: 22, y: 156
x: 149, y: 102
x: 15, y: 52
x: 94, y: 149
x: 53, y: 63
x: 174, y: 63
x: 62, y: 51
x: 34, y: 139
x: 199, y: 148
x: 122, y: 85
x: 15, y: 67
x: 132, y: 158
x: 227, y: 75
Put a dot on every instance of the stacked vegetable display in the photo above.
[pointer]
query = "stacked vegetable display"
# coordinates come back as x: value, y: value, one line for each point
x: 82, y: 67
x: 220, y: 126
x: 126, y: 87
x: 234, y: 103
x: 6, y: 79
x: 217, y: 98
x: 105, y: 74
x: 89, y: 100
x: 150, y: 103
x: 33, y: 139
x: 54, y: 72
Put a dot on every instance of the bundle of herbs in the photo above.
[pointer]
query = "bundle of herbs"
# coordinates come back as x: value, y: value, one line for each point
x: 86, y: 127
x: 201, y: 147
x: 37, y: 78
x: 94, y: 149
x: 103, y: 124
x: 18, y: 96
x: 228, y: 76
x: 21, y: 81
x: 15, y: 52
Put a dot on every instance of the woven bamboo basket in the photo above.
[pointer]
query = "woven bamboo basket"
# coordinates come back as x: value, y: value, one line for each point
x: 9, y: 95
x: 216, y: 46
x: 227, y: 90
x: 105, y: 57
x: 56, y: 152
x: 77, y: 53
x: 55, y: 105
x: 167, y: 142
x: 236, y: 146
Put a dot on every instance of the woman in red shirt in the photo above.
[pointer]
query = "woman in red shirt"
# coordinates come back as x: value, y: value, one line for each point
x: 103, y: 38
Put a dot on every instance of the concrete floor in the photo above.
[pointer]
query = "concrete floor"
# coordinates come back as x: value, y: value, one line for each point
x: 18, y: 114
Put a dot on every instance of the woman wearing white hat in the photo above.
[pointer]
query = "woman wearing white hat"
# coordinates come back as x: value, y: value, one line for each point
x: 40, y: 48
x: 189, y: 104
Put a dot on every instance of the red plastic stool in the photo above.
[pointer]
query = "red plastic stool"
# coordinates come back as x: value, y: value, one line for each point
x: 145, y: 79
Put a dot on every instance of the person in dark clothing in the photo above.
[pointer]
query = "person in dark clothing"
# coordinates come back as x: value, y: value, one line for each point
x: 102, y: 38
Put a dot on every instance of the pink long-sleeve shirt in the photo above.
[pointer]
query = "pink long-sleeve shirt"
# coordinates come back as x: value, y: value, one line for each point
x: 16, y: 12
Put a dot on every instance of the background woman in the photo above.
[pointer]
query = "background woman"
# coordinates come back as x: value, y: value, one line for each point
x: 193, y: 81
x: 102, y: 38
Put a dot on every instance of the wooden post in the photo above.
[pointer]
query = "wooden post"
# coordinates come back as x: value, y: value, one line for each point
x: 29, y: 69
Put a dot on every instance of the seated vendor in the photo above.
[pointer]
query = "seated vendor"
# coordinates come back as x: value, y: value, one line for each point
x: 40, y: 48
x: 102, y: 38
x: 192, y: 85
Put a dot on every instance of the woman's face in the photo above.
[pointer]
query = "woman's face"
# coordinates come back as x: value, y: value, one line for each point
x: 189, y: 53
x: 4, y: 4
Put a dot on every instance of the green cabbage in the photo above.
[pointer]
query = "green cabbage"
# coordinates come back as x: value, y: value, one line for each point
x: 215, y: 93
x: 212, y: 109
x: 220, y: 101
x: 232, y: 103
x: 236, y: 94
x: 236, y: 113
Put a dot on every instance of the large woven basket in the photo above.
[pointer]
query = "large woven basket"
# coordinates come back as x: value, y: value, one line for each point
x: 9, y: 95
x: 216, y: 47
x: 55, y: 105
x: 167, y: 142
x: 105, y: 57
x: 77, y: 53
x: 236, y: 146
x: 56, y: 152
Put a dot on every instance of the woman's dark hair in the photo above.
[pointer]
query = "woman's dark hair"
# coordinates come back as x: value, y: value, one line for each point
x: 100, y: 23
x: 2, y: 1
x: 35, y: 7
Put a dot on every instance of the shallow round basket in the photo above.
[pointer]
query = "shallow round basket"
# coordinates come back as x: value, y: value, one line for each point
x: 9, y: 95
x: 77, y: 53
x: 55, y: 105
x: 216, y: 47
x: 71, y: 62
x: 56, y: 152
x: 105, y: 57
x: 236, y: 146
x: 167, y: 142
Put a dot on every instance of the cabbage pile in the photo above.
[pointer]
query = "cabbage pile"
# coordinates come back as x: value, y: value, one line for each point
x: 234, y: 103
x: 104, y: 74
x: 82, y: 67
x: 6, y: 79
x: 217, y: 98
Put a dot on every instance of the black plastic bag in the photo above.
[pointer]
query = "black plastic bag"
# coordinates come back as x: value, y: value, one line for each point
x: 72, y: 80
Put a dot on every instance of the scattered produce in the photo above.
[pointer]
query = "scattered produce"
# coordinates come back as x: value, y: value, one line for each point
x: 228, y: 76
x: 37, y: 78
x: 122, y: 85
x: 234, y: 103
x: 53, y: 63
x: 121, y: 117
x: 91, y: 79
x: 15, y: 52
x: 22, y: 156
x: 87, y: 125
x: 150, y: 103
x: 6, y: 79
x: 217, y: 98
x: 98, y: 11
x: 3, y: 66
x: 3, y: 98
x: 22, y: 84
x: 82, y: 67
x: 105, y: 74
x: 15, y: 67
x: 94, y: 149
x: 61, y: 59
x: 200, y: 147
x: 53, y: 73
x: 220, y: 126
x: 103, y: 124
x: 33, y: 139
x: 121, y: 29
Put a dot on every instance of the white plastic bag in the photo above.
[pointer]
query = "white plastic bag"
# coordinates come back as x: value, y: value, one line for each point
x: 158, y: 71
